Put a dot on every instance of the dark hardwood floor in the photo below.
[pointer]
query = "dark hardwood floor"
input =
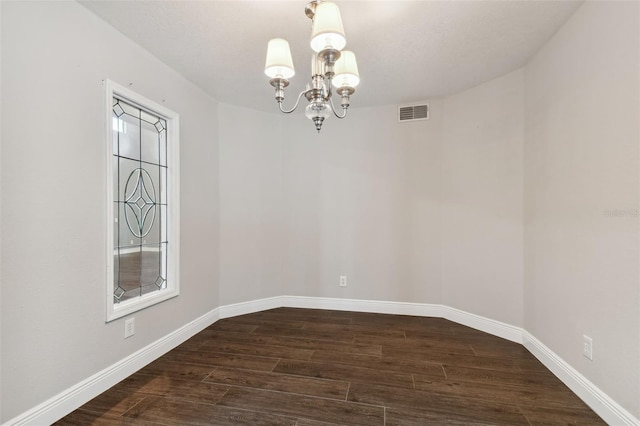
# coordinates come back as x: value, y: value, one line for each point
x: 319, y: 368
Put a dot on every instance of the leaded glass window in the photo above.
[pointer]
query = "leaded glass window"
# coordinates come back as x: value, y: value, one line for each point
x: 142, y: 194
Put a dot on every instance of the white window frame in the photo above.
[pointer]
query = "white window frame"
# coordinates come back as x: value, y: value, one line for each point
x: 127, y: 307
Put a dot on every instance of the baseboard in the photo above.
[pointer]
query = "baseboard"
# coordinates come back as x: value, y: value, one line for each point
x: 72, y: 398
x: 593, y: 396
x: 250, y: 307
x: 487, y: 325
x: 496, y: 328
x: 355, y: 305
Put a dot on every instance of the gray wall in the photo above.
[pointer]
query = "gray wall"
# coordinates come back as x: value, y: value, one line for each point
x: 408, y: 210
x: 581, y: 162
x: 362, y: 201
x: 482, y: 200
x: 251, y: 205
x: 495, y: 205
x: 54, y: 56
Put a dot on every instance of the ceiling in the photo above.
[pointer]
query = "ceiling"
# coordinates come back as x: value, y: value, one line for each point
x: 407, y: 51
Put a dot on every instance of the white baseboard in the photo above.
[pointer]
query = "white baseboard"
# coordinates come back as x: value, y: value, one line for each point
x: 497, y: 328
x: 374, y: 306
x: 487, y: 325
x: 593, y: 396
x: 250, y: 307
x: 72, y: 398
x: 77, y: 395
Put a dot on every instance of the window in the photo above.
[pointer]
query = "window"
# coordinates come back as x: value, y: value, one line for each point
x: 142, y: 200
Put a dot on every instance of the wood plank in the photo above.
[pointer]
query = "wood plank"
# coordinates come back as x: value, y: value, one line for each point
x: 531, y: 364
x: 219, y: 359
x: 345, y: 337
x: 81, y: 417
x: 271, y: 351
x: 230, y: 336
x: 455, y: 340
x: 254, y: 321
x: 501, y: 351
x: 177, y: 370
x: 307, y: 422
x: 355, y: 328
x: 438, y: 405
x: 541, y: 415
x: 449, y: 345
x: 392, y: 341
x: 380, y: 362
x: 537, y: 380
x: 140, y: 384
x: 294, y: 342
x: 112, y: 402
x: 193, y: 343
x: 448, y: 358
x: 333, y: 389
x: 414, y: 417
x: 521, y: 395
x: 169, y: 411
x: 415, y: 344
x: 304, y: 407
x: 344, y: 372
x: 401, y: 321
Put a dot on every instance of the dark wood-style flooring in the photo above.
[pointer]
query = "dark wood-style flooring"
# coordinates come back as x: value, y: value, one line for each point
x: 309, y: 367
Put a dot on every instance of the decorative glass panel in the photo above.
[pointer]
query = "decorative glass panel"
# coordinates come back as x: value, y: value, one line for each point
x: 140, y: 201
x: 143, y: 227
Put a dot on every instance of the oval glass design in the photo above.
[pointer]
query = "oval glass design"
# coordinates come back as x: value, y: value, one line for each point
x: 140, y: 202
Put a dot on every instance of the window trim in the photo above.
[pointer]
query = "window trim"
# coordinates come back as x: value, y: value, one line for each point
x: 127, y: 307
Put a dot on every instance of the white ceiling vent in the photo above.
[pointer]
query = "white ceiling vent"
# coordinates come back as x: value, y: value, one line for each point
x: 413, y: 112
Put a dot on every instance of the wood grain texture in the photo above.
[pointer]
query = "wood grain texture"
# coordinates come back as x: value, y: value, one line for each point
x: 280, y: 403
x: 344, y: 372
x: 332, y: 389
x: 270, y: 351
x: 304, y: 367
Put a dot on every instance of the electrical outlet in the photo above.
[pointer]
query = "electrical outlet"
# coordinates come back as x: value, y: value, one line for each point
x: 129, y: 327
x: 343, y: 280
x: 587, y: 349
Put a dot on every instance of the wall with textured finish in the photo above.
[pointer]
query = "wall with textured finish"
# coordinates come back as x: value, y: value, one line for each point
x: 252, y: 219
x: 582, y: 196
x: 363, y: 201
x: 54, y: 57
x: 425, y: 211
x: 482, y: 199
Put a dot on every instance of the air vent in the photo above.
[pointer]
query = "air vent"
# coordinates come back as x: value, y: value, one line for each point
x: 413, y: 112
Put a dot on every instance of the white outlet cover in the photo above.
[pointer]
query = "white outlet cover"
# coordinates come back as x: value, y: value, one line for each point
x: 129, y: 327
x: 587, y: 348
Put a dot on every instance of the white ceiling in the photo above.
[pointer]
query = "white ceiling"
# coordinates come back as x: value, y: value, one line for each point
x: 407, y: 51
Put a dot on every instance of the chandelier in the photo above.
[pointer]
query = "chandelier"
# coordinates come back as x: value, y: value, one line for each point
x: 330, y: 65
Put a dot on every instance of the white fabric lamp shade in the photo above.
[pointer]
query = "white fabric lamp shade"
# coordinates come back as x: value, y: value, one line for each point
x: 279, y: 63
x: 346, y: 70
x: 327, y: 32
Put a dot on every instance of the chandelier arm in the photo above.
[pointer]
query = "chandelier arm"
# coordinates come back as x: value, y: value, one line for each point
x: 333, y: 108
x: 295, y: 106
